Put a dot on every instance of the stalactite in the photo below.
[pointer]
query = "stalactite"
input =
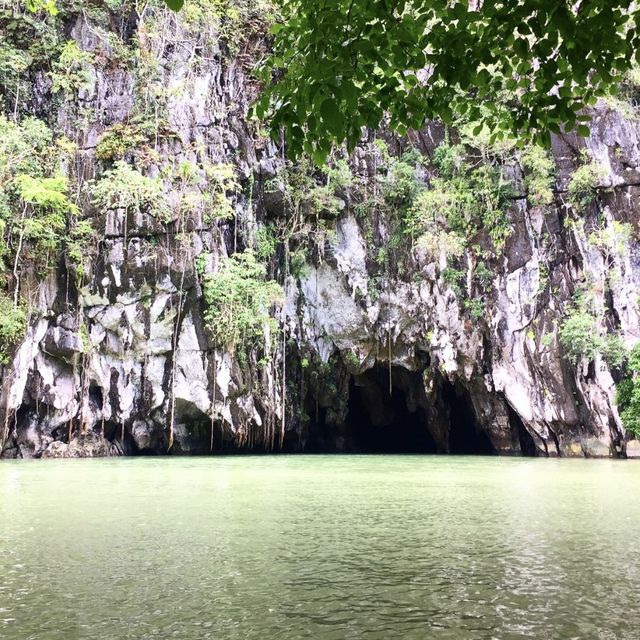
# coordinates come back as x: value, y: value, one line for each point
x: 301, y: 401
x: 84, y: 391
x: 174, y: 347
x: 284, y: 390
x: 284, y: 352
x: 271, y: 404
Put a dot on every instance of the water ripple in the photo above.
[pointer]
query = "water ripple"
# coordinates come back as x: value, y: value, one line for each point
x: 342, y: 548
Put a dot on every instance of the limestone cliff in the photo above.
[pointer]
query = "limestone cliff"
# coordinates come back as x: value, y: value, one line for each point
x: 379, y: 348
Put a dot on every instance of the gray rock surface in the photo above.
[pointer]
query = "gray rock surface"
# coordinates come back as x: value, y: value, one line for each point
x: 125, y: 364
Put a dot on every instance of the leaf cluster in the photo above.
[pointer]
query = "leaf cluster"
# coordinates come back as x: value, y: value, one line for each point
x: 341, y: 65
x: 34, y: 196
x: 581, y: 337
x: 539, y: 180
x: 123, y: 187
x: 35, y: 212
x: 465, y: 199
x: 239, y: 299
x: 118, y: 140
x: 585, y: 180
x: 13, y: 323
x: 628, y: 393
x: 71, y: 71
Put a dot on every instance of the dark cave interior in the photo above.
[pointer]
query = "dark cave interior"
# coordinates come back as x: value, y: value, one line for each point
x: 380, y: 421
x: 400, y: 419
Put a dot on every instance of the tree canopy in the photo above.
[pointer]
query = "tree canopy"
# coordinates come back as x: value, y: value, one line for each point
x: 518, y: 67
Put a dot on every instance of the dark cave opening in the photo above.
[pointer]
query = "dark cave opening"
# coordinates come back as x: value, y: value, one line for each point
x: 466, y: 436
x: 384, y: 420
x: 527, y: 445
x: 401, y: 419
x: 96, y: 396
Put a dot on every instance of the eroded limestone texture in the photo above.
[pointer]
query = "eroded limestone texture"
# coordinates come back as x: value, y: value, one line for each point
x: 125, y: 365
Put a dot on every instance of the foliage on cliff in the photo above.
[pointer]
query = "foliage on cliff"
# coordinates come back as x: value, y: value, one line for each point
x: 187, y: 176
x: 239, y: 299
x: 36, y: 212
x: 628, y: 394
x: 581, y: 336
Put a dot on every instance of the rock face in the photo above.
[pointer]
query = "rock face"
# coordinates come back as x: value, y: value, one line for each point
x: 369, y: 360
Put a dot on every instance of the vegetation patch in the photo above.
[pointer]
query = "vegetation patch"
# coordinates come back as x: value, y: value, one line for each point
x: 239, y: 299
x: 584, y: 183
x: 581, y: 336
x: 124, y: 187
x: 628, y: 394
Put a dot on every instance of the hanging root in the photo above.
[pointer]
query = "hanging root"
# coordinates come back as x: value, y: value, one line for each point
x: 213, y: 401
x: 4, y: 434
x: 284, y: 388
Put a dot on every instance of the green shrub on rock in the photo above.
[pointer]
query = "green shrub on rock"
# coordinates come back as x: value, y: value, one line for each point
x: 581, y: 337
x: 538, y: 166
x: 466, y: 200
x: 583, y: 185
x: 13, y: 322
x: 628, y: 394
x: 239, y: 300
x: 124, y: 187
x: 36, y: 207
x: 118, y: 140
x: 71, y: 71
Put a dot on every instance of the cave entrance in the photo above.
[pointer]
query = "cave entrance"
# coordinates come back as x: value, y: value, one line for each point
x: 404, y: 420
x: 466, y: 435
x: 380, y: 420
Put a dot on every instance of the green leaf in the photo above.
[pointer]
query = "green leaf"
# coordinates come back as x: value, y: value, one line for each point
x: 332, y: 117
x: 174, y: 5
x: 319, y: 157
x: 583, y: 131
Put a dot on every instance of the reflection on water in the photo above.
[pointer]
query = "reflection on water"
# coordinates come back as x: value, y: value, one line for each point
x: 319, y: 547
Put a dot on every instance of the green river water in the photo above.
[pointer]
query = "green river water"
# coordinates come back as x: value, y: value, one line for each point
x: 322, y: 547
